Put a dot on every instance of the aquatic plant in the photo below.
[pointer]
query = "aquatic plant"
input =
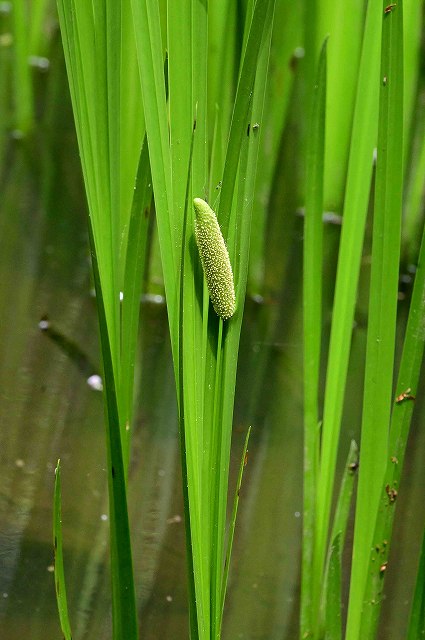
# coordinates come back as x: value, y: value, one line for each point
x: 175, y: 118
x: 332, y: 131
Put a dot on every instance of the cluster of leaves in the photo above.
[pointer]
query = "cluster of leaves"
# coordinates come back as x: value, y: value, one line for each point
x: 171, y: 101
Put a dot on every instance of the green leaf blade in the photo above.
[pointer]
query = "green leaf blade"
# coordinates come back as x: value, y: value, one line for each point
x: 333, y: 622
x: 417, y: 614
x: 124, y: 612
x: 349, y: 257
x: 60, y: 584
x: 312, y: 329
x: 403, y: 406
x: 382, y: 307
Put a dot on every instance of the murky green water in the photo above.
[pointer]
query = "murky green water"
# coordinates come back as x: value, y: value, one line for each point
x: 48, y: 410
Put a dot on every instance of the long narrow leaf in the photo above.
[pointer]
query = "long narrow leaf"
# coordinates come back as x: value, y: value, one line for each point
x: 60, y: 584
x: 238, y: 244
x: 417, y: 615
x: 350, y: 251
x: 125, y: 622
x: 232, y: 524
x: 312, y: 320
x: 333, y: 623
x: 332, y: 595
x: 240, y: 112
x: 382, y: 306
x: 133, y: 278
x: 342, y: 510
x: 197, y: 558
x: 407, y: 384
x: 413, y: 207
x: 147, y: 28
